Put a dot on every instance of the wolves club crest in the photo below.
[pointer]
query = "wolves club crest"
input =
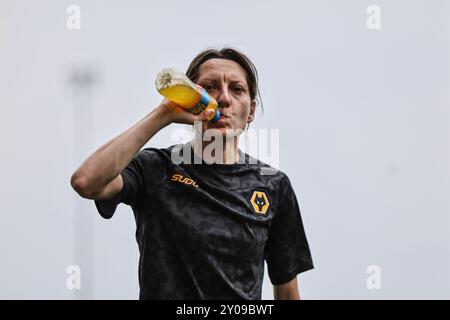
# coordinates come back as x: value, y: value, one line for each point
x: 260, y: 202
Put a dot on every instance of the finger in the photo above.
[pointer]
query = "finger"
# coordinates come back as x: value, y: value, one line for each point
x: 205, y: 115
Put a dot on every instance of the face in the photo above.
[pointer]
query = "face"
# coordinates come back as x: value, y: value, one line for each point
x: 225, y: 81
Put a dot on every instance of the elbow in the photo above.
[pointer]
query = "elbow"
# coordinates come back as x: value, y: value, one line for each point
x: 81, y: 185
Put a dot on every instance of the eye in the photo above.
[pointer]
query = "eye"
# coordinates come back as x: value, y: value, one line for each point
x: 238, y: 89
x: 209, y: 87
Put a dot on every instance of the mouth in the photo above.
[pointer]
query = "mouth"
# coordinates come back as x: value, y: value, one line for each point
x: 222, y: 119
x: 220, y: 122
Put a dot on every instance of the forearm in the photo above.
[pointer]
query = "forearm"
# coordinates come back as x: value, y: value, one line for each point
x: 287, y: 295
x: 108, y: 161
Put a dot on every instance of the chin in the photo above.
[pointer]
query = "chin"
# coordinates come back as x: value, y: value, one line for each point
x: 215, y: 131
x: 222, y: 131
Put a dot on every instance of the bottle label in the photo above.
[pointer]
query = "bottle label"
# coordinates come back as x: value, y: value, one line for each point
x: 202, y: 104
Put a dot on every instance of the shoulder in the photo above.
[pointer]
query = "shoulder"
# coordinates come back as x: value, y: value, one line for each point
x: 151, y: 154
x: 268, y: 172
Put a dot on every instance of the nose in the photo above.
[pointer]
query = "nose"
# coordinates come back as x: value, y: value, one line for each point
x: 224, y: 98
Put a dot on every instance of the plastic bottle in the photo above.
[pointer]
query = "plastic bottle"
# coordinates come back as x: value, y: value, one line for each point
x: 177, y: 87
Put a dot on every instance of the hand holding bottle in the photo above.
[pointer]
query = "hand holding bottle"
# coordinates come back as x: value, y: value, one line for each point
x: 175, y: 86
x: 173, y: 113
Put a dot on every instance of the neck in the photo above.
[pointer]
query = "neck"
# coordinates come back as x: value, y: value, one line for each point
x: 223, y: 151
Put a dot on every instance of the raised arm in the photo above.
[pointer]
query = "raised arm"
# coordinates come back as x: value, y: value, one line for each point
x: 98, y: 177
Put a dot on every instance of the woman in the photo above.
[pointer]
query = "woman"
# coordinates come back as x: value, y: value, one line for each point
x: 204, y: 228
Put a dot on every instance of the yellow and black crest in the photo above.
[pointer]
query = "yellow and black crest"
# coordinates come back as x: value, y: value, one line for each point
x: 260, y: 202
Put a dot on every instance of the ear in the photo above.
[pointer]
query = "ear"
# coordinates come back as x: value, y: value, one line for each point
x: 251, y: 115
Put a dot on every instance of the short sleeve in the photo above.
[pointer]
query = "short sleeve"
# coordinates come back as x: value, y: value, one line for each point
x: 144, y: 170
x: 287, y: 251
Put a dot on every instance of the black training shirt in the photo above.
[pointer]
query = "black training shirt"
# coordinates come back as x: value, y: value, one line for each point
x: 204, y: 230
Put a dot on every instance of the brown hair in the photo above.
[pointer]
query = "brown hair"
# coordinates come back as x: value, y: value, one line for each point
x: 233, y: 55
